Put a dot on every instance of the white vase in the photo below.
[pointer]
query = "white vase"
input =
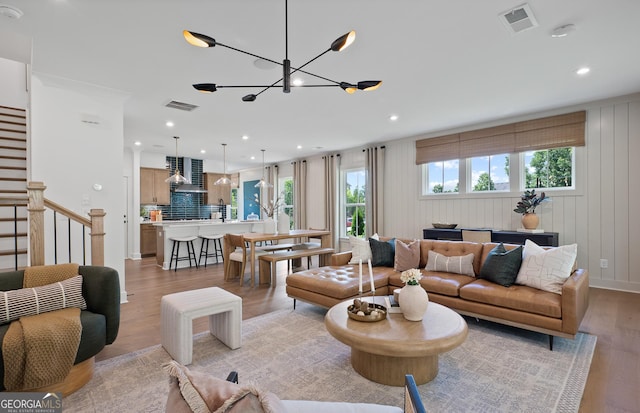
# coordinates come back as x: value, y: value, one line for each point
x: 413, y: 300
x: 283, y: 223
x: 269, y: 226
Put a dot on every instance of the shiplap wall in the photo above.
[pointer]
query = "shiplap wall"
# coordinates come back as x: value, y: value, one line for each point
x: 599, y: 216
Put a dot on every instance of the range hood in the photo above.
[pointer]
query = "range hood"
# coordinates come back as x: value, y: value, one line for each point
x: 187, y: 174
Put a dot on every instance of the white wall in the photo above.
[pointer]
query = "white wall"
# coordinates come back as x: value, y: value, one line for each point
x: 13, y: 84
x: 598, y: 216
x: 70, y: 155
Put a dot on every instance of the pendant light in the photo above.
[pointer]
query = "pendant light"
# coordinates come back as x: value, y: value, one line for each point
x: 176, y: 178
x: 263, y: 183
x: 224, y: 180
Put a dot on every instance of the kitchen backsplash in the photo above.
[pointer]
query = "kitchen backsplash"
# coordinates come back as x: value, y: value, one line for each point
x: 184, y: 205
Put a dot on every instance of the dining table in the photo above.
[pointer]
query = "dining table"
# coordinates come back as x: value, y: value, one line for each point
x: 254, y: 238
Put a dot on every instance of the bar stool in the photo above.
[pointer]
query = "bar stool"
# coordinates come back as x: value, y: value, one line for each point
x: 217, y: 246
x: 175, y: 251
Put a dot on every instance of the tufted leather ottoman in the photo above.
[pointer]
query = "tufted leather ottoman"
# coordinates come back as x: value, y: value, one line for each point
x: 327, y: 286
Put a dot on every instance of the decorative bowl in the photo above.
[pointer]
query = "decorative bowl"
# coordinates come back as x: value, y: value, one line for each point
x: 444, y: 226
x: 379, y: 314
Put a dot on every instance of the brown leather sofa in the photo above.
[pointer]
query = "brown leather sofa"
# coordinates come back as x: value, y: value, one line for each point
x: 518, y: 305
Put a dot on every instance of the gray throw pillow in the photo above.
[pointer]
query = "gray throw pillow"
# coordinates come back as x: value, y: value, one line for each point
x: 382, y: 252
x: 502, y: 266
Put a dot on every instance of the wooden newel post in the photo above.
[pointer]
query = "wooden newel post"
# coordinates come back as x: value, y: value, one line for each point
x: 97, y: 236
x: 35, y: 191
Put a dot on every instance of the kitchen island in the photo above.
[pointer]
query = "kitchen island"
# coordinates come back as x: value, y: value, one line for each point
x: 184, y: 228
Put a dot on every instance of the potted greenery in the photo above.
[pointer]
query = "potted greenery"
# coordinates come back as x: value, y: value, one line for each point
x: 529, y: 200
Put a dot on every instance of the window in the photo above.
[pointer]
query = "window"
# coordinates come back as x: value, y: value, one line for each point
x: 441, y: 177
x: 354, y: 203
x: 234, y: 203
x: 550, y: 168
x: 285, y: 184
x: 489, y: 173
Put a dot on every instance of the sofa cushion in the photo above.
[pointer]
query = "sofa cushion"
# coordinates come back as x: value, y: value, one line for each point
x: 360, y: 249
x: 501, y: 265
x: 516, y: 297
x: 382, y: 252
x: 407, y: 255
x: 546, y: 269
x: 32, y: 301
x: 444, y: 283
x: 455, y: 264
x: 339, y: 282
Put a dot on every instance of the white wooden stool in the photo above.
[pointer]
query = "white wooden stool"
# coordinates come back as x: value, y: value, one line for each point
x: 178, y: 310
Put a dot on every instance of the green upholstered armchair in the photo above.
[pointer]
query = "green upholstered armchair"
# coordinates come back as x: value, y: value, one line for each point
x: 100, y: 321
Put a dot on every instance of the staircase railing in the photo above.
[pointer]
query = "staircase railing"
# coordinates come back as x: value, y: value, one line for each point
x: 37, y: 204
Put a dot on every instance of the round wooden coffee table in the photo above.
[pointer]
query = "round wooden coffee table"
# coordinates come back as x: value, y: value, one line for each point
x: 384, y: 351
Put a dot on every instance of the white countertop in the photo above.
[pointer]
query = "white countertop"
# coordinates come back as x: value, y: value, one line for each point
x: 188, y: 222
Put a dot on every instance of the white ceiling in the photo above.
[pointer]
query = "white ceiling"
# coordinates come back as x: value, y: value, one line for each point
x: 443, y: 63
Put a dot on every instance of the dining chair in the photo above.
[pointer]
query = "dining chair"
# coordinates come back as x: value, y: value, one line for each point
x: 236, y: 256
x: 477, y: 235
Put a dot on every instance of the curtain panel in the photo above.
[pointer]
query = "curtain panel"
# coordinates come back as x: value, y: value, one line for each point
x: 374, y: 195
x: 300, y: 194
x: 331, y: 165
x: 559, y: 131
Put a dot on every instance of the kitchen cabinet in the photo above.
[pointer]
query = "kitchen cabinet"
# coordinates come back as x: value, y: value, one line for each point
x: 216, y: 192
x: 148, y: 240
x: 153, y: 188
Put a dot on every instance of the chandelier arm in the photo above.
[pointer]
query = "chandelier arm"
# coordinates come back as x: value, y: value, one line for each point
x: 299, y: 69
x: 246, y: 86
x: 248, y: 53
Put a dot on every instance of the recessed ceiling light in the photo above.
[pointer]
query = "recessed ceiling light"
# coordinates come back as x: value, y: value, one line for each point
x: 583, y: 71
x: 203, y: 151
x: 252, y: 158
x: 169, y: 124
x: 299, y: 146
x: 393, y: 118
x: 563, y: 31
x: 137, y: 143
x: 297, y: 82
x: 245, y: 137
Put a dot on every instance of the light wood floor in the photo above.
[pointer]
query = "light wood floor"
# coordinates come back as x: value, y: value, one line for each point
x: 613, y: 384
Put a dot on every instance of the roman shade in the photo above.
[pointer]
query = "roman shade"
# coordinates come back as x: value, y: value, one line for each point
x: 559, y: 131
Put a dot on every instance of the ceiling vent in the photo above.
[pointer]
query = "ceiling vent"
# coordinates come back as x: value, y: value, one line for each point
x: 10, y: 11
x: 518, y: 19
x: 187, y: 107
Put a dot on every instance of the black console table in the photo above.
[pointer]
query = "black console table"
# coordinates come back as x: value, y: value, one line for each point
x: 548, y: 239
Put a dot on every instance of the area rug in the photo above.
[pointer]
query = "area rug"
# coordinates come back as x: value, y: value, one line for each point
x: 497, y: 369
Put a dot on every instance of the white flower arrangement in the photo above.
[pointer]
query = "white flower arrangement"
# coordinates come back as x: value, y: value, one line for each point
x: 270, y: 208
x: 411, y: 277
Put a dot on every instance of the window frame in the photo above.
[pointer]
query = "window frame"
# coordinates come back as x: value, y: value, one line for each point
x: 426, y: 181
x: 282, y: 190
x: 343, y: 233
x: 516, y: 179
x: 469, y: 162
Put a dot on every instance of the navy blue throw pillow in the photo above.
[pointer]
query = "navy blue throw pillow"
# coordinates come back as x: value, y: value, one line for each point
x: 382, y: 252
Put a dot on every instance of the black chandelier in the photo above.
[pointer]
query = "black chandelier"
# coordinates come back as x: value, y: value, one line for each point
x: 341, y: 43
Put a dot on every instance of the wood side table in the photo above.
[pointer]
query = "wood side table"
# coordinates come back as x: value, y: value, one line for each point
x: 384, y: 351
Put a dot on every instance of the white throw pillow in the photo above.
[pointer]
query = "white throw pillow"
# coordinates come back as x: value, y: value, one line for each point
x: 360, y: 249
x: 546, y: 269
x: 462, y: 264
